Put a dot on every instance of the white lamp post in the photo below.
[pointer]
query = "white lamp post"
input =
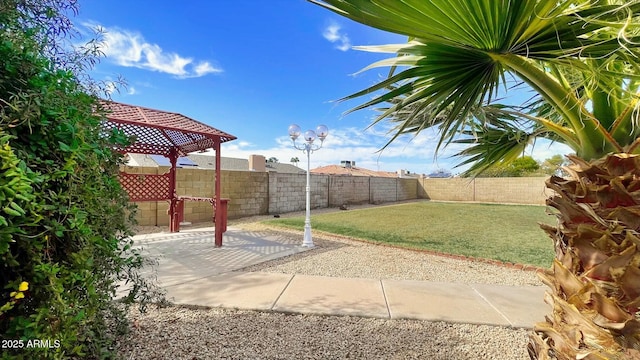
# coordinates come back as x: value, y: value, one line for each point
x: 307, y: 147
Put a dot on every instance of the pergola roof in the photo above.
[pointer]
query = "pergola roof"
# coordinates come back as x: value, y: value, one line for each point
x: 158, y: 132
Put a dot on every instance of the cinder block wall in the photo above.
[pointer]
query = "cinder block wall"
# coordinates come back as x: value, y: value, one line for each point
x: 382, y: 190
x: 406, y: 189
x: 520, y: 190
x: 287, y: 192
x: 346, y: 190
x: 199, y: 183
x: 261, y: 193
x: 147, y: 213
x: 247, y: 191
x: 454, y: 189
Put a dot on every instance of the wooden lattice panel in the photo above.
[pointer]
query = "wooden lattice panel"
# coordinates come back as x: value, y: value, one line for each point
x: 146, y: 187
x: 159, y: 132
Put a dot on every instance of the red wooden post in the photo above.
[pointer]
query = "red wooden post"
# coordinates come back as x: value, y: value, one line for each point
x: 224, y: 203
x: 180, y: 211
x: 174, y: 218
x: 219, y: 229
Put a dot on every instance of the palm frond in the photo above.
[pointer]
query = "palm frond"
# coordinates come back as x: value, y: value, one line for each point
x: 498, y: 136
x: 573, y: 53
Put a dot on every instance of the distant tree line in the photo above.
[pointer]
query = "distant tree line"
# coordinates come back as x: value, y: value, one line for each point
x: 527, y: 166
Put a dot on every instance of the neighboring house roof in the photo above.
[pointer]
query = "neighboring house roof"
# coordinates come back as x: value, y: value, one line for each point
x: 440, y: 174
x: 351, y: 171
x: 208, y: 162
x: 226, y: 163
x: 284, y: 168
x: 144, y: 160
x: 140, y: 160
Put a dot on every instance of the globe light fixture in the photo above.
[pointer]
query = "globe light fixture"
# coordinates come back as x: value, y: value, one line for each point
x: 294, y: 132
x: 307, y: 147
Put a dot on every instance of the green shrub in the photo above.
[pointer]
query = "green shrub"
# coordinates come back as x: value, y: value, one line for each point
x: 522, y: 166
x: 64, y: 219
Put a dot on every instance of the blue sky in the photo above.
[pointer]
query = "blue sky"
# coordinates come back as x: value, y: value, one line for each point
x: 252, y: 68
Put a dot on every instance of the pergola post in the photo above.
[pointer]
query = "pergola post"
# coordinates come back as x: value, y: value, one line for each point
x: 220, y: 217
x: 174, y: 218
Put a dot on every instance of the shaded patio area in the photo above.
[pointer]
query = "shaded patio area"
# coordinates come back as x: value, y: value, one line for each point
x: 190, y: 255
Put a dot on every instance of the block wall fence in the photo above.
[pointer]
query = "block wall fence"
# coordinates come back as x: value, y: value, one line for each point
x: 262, y: 193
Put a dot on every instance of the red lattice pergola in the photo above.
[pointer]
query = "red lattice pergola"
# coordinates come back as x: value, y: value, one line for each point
x: 171, y: 135
x: 147, y: 187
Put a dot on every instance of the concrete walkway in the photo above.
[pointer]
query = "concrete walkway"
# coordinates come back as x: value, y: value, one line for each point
x: 195, y: 273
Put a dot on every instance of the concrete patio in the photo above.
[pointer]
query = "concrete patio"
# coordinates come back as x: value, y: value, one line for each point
x: 194, y: 272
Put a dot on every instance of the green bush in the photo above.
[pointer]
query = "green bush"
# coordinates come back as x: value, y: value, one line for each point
x: 522, y: 166
x: 64, y: 219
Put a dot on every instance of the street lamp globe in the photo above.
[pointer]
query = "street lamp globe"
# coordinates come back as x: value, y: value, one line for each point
x: 294, y: 131
x: 309, y: 136
x: 322, y: 131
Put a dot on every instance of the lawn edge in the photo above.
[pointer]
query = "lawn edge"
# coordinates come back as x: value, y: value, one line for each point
x: 509, y: 265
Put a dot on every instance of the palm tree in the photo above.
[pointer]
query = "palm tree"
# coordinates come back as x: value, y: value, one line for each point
x: 581, y: 60
x: 295, y: 161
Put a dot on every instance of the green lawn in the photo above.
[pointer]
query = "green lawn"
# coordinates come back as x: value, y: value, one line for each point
x: 507, y: 233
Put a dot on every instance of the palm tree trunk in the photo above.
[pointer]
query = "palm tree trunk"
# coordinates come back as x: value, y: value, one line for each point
x: 595, y: 277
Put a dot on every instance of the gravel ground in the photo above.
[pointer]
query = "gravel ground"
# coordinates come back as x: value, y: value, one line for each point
x: 341, y: 257
x: 192, y: 333
x: 181, y: 333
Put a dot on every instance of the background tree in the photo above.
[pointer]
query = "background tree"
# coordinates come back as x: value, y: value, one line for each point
x: 272, y: 160
x: 64, y: 219
x: 295, y: 160
x: 522, y: 166
x: 581, y: 58
x: 553, y: 165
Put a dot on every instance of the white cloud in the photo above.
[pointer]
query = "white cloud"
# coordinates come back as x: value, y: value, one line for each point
x: 334, y: 35
x: 238, y: 146
x: 415, y: 154
x: 110, y: 87
x: 331, y: 33
x: 544, y: 149
x: 130, y: 49
x: 351, y: 143
x: 204, y: 68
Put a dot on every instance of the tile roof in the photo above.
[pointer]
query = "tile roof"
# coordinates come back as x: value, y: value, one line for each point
x: 351, y: 171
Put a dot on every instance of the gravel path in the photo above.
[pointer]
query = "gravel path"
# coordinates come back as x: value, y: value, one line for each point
x: 180, y: 333
x: 341, y: 257
x: 190, y: 333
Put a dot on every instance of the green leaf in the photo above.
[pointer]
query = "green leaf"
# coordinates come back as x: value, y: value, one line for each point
x: 64, y: 147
